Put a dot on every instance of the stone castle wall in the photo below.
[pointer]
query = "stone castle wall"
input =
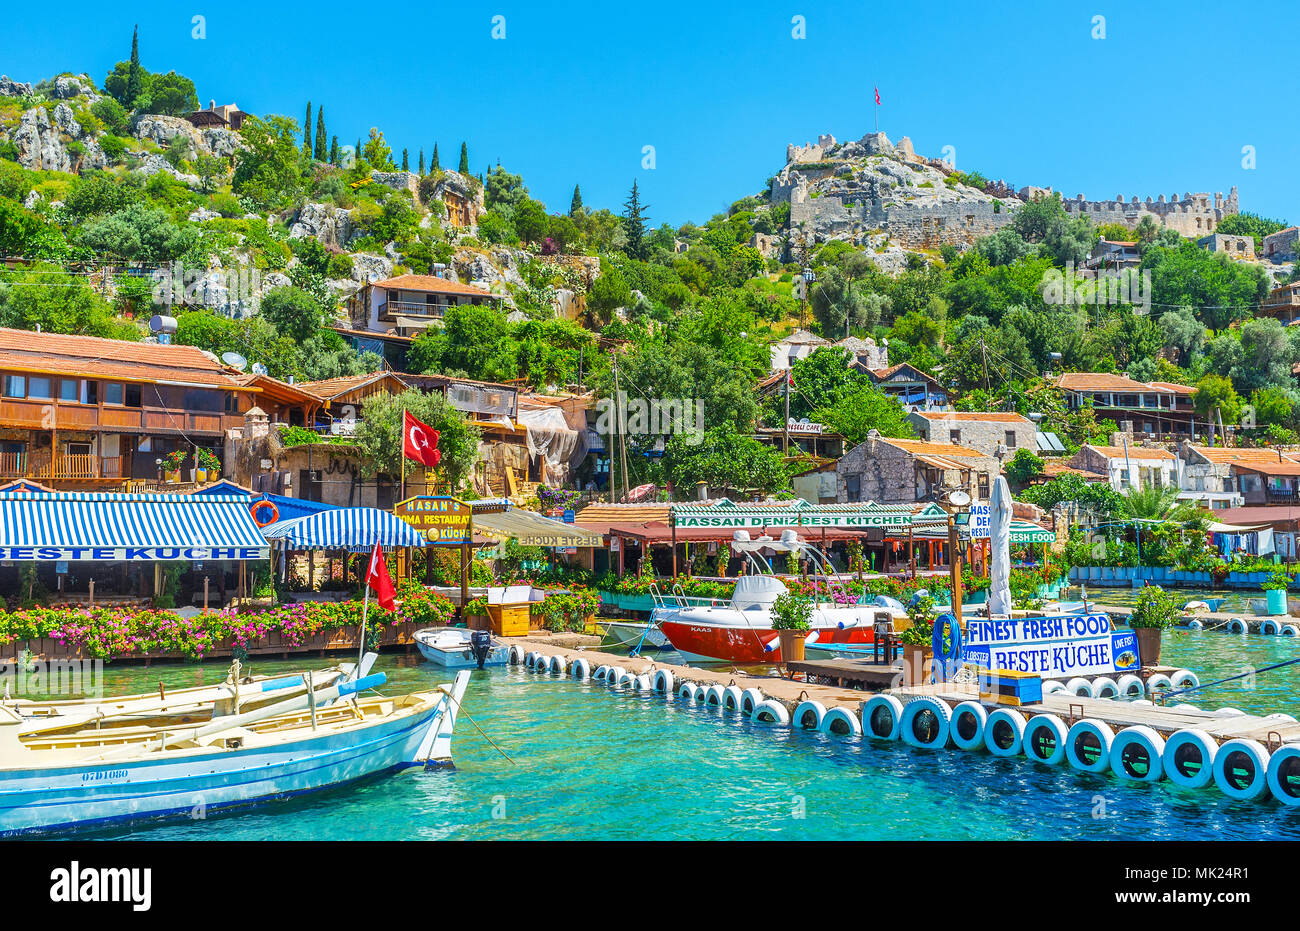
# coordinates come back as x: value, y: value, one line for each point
x: 1192, y: 215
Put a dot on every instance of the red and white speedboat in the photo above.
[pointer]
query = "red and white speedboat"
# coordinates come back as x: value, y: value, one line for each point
x: 741, y: 632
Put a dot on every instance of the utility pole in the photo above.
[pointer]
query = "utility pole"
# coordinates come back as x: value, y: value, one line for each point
x: 619, y: 425
x: 984, y: 353
x: 785, y: 424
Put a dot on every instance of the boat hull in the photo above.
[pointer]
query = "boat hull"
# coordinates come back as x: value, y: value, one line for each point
x: 463, y: 658
x: 631, y: 633
x: 196, y: 783
x: 747, y: 645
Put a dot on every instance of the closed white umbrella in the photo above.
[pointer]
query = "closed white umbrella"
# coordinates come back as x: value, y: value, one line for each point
x: 1000, y: 549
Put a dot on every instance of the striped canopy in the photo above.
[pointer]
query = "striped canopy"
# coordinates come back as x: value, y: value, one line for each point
x: 352, y: 529
x: 107, y: 527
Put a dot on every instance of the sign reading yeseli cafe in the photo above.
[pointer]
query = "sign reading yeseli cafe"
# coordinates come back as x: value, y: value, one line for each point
x: 1056, y: 646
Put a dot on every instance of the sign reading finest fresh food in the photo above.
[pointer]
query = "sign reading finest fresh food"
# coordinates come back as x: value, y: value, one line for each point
x: 1062, y: 645
x: 443, y: 521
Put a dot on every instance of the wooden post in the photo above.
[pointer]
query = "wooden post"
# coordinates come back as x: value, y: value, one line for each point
x: 672, y: 522
x: 911, y: 552
x: 92, y: 593
x: 955, y: 569
x: 428, y: 565
x: 621, y: 545
x: 206, y: 579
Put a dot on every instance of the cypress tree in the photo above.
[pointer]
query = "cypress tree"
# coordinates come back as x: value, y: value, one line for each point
x: 422, y: 163
x: 406, y: 162
x: 575, y: 205
x: 334, y: 150
x: 634, y: 224
x: 433, y: 165
x: 322, y: 153
x: 134, y: 78
x: 306, y: 133
x: 464, y: 160
x: 358, y: 148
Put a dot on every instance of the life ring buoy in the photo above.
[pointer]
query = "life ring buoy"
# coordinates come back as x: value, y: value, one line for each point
x: 1238, y: 626
x: 1284, y: 774
x: 1159, y: 683
x: 881, y: 716
x: 1004, y: 732
x: 770, y: 712
x: 926, y: 723
x: 841, y: 722
x: 1136, y: 754
x: 1269, y: 627
x: 1189, y: 758
x: 808, y: 715
x: 1044, y: 740
x: 1087, y: 745
x: 256, y: 508
x: 966, y: 727
x: 1185, y: 679
x: 1241, y: 769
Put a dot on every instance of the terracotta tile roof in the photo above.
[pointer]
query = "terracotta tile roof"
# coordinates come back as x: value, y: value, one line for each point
x: 924, y: 448
x: 329, y: 388
x: 59, y: 354
x: 273, y: 387
x: 1134, y: 452
x: 1275, y: 467
x: 601, y: 516
x: 1233, y: 455
x: 1175, y: 388
x: 1099, y: 381
x: 432, y: 284
x: 882, y: 374
x: 1053, y: 467
x: 976, y: 416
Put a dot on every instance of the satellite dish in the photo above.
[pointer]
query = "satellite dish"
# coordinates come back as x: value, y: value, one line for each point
x: 259, y: 368
x: 234, y: 360
x: 959, y: 499
x: 161, y: 324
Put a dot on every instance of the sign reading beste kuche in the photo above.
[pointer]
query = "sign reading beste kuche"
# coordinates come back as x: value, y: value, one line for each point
x: 1053, y: 646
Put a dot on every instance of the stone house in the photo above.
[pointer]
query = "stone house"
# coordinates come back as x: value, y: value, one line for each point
x: 1113, y: 255
x: 1229, y: 477
x: 1236, y: 247
x: 1281, y: 246
x: 893, y: 471
x: 1137, y: 467
x: 993, y: 433
x: 1283, y: 303
x: 408, y: 304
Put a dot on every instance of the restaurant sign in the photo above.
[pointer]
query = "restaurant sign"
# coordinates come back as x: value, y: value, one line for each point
x: 443, y: 521
x: 795, y: 519
x: 58, y: 554
x: 1062, y: 645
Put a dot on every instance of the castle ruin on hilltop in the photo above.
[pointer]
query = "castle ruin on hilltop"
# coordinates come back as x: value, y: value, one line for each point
x: 838, y: 191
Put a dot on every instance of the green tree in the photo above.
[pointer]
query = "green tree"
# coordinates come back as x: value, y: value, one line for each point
x: 433, y: 163
x: 530, y: 220
x: 406, y: 161
x: 503, y: 191
x: 421, y: 163
x: 575, y: 204
x: 46, y: 298
x: 608, y: 292
x: 634, y: 224
x: 322, y: 151
x: 135, y: 74
x: 1214, y: 394
x: 379, y: 434
x: 1023, y: 467
x: 292, y: 311
x: 464, y: 160
x: 859, y: 411
x: 266, y: 166
x: 1220, y: 289
x: 306, y: 134
x: 724, y: 458
x: 377, y: 152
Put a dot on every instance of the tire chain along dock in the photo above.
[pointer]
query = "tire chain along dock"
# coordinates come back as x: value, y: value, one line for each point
x: 1247, y: 756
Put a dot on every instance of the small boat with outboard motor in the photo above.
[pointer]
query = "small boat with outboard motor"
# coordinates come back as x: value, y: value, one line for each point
x: 459, y: 648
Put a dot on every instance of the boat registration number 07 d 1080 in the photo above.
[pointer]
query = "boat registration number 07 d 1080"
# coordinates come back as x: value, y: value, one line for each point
x: 1062, y: 645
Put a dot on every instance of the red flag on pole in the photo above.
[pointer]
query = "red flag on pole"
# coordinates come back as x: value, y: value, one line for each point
x: 877, y: 96
x: 419, y: 441
x: 378, y: 580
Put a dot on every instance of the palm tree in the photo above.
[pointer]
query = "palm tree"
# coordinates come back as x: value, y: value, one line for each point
x: 1162, y: 505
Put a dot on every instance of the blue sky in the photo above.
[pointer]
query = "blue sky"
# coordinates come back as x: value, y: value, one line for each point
x: 1164, y: 103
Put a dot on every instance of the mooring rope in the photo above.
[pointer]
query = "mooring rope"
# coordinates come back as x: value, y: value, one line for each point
x: 460, y: 709
x: 1167, y: 695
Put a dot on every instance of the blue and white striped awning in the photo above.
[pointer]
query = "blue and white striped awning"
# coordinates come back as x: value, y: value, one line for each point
x: 353, y: 529
x: 111, y: 527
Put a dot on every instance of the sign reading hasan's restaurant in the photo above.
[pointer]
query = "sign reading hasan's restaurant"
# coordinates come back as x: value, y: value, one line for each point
x: 443, y: 521
x: 130, y: 553
x: 1063, y: 645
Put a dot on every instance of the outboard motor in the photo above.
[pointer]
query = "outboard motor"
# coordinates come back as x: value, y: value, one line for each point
x: 480, y: 641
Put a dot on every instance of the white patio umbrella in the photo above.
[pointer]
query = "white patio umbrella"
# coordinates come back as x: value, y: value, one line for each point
x: 1000, y: 549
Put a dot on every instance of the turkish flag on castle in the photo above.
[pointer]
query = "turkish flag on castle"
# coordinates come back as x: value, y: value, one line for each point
x: 419, y: 441
x: 877, y: 96
x: 378, y: 579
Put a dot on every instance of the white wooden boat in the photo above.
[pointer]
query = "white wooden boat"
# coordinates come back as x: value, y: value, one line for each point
x: 631, y: 633
x: 89, y: 778
x: 237, y: 693
x: 452, y: 647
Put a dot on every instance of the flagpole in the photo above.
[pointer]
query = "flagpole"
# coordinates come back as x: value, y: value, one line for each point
x: 365, y: 610
x: 402, y: 446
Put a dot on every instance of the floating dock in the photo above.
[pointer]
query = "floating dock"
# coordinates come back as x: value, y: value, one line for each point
x: 1247, y: 756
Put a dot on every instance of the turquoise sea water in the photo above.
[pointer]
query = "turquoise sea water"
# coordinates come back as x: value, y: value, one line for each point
x: 594, y: 764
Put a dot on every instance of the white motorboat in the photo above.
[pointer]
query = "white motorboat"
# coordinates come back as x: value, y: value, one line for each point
x: 453, y: 647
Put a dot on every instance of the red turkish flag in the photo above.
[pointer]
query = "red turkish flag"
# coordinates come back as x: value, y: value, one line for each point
x: 379, y: 581
x: 877, y: 96
x: 419, y: 441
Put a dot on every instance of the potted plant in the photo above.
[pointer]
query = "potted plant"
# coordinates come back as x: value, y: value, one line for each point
x: 173, y: 462
x: 476, y: 615
x: 1275, y: 587
x: 208, y: 466
x: 792, y: 619
x: 917, y: 640
x: 1156, y: 610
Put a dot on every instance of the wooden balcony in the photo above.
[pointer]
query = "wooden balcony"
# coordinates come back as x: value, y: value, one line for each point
x: 78, y: 466
x: 58, y: 415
